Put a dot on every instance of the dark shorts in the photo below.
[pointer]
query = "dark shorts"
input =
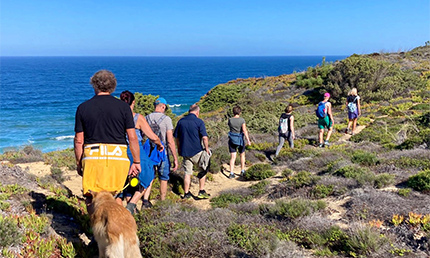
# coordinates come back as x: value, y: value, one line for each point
x: 233, y: 148
x: 163, y: 170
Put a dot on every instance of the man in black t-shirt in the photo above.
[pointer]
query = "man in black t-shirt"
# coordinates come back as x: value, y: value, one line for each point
x: 101, y: 125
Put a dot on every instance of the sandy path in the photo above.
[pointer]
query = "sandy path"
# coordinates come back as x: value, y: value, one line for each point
x: 220, y: 183
x: 346, y: 137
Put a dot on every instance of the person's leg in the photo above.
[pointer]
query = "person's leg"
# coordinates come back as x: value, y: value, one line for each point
x: 321, y: 136
x: 131, y: 205
x: 232, y: 160
x: 349, y: 125
x: 242, y: 162
x: 187, y: 182
x: 330, y: 130
x: 280, y: 145
x: 163, y: 189
x: 188, y: 167
x: 148, y: 191
x: 202, y: 182
x: 291, y: 140
x: 354, y: 125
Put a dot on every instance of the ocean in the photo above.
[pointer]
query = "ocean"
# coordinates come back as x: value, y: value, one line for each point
x: 39, y: 95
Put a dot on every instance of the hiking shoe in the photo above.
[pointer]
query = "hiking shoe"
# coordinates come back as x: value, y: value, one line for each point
x: 320, y: 145
x: 231, y: 176
x: 203, y: 195
x: 346, y: 131
x: 131, y: 207
x: 326, y: 143
x: 187, y: 196
x: 242, y: 173
x: 146, y: 204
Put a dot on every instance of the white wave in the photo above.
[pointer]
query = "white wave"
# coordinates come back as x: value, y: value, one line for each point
x: 175, y: 105
x: 61, y: 138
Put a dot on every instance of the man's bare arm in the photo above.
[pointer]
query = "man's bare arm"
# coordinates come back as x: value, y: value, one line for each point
x: 135, y: 152
x: 79, y: 151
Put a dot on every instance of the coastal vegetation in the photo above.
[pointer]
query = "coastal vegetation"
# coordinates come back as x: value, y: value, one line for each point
x: 366, y: 195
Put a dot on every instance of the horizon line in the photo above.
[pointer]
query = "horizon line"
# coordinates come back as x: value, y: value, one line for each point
x: 170, y: 56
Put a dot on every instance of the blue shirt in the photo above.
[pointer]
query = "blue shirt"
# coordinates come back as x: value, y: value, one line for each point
x: 190, y: 130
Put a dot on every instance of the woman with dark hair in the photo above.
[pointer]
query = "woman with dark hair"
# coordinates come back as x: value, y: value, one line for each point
x: 286, y: 129
x: 236, y: 142
x: 147, y: 174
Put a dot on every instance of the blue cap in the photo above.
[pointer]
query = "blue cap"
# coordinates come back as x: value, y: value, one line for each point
x: 160, y: 100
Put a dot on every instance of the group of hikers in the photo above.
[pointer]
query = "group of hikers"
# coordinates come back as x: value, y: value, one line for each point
x: 112, y: 155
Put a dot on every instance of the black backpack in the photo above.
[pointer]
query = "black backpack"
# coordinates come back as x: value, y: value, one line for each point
x: 155, y: 126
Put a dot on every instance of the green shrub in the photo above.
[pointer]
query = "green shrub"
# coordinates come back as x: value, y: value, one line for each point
x: 374, y: 79
x: 25, y: 155
x: 303, y: 178
x: 404, y: 192
x: 420, y: 181
x: 322, y: 191
x: 57, y: 174
x: 221, y: 96
x: 260, y: 157
x: 361, y: 175
x: 259, y: 188
x: 408, y: 162
x: 259, y: 172
x: 224, y: 199
x: 255, y: 239
x: 13, y: 189
x: 293, y: 209
x: 63, y: 158
x: 9, y: 231
x: 383, y: 180
x: 364, y: 158
x: 365, y: 241
x: 287, y: 172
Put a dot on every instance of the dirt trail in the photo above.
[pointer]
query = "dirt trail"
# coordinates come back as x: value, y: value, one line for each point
x: 346, y: 136
x: 220, y: 181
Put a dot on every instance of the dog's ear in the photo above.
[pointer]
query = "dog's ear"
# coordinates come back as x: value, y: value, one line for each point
x: 92, y: 193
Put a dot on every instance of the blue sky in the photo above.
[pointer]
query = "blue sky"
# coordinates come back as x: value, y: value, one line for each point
x: 211, y: 27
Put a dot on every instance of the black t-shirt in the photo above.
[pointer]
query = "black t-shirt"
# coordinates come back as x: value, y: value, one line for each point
x: 104, y: 119
x: 352, y: 98
x: 287, y: 116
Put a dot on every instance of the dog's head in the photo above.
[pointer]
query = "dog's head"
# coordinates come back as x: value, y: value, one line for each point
x: 103, y: 195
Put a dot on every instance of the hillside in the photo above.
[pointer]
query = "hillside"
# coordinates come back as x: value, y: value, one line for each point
x: 367, y: 195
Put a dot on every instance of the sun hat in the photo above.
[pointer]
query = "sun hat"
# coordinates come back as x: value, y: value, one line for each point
x: 326, y: 95
x: 161, y: 101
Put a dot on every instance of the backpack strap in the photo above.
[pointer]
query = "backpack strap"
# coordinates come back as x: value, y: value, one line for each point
x: 161, y: 119
x: 148, y: 119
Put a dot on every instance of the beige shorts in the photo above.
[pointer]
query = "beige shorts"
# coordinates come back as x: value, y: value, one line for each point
x: 189, y: 162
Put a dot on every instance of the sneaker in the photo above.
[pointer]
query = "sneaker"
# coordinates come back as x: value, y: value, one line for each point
x: 187, y: 196
x: 320, y: 145
x: 203, y: 195
x: 231, y: 176
x: 146, y: 204
x: 346, y: 131
x: 131, y: 207
x: 326, y: 143
x: 242, y: 173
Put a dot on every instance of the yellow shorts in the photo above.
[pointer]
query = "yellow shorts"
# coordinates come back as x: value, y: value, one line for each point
x: 105, y: 167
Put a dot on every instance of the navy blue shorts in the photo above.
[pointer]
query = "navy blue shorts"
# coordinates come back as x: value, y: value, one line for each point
x: 233, y: 147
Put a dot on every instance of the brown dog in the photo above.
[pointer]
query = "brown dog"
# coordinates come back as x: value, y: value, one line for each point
x: 114, y: 228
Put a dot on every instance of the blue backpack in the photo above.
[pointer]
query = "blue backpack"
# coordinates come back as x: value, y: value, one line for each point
x: 321, y: 112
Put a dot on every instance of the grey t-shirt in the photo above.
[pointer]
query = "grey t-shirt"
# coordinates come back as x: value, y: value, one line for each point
x: 165, y: 124
x: 235, y: 124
